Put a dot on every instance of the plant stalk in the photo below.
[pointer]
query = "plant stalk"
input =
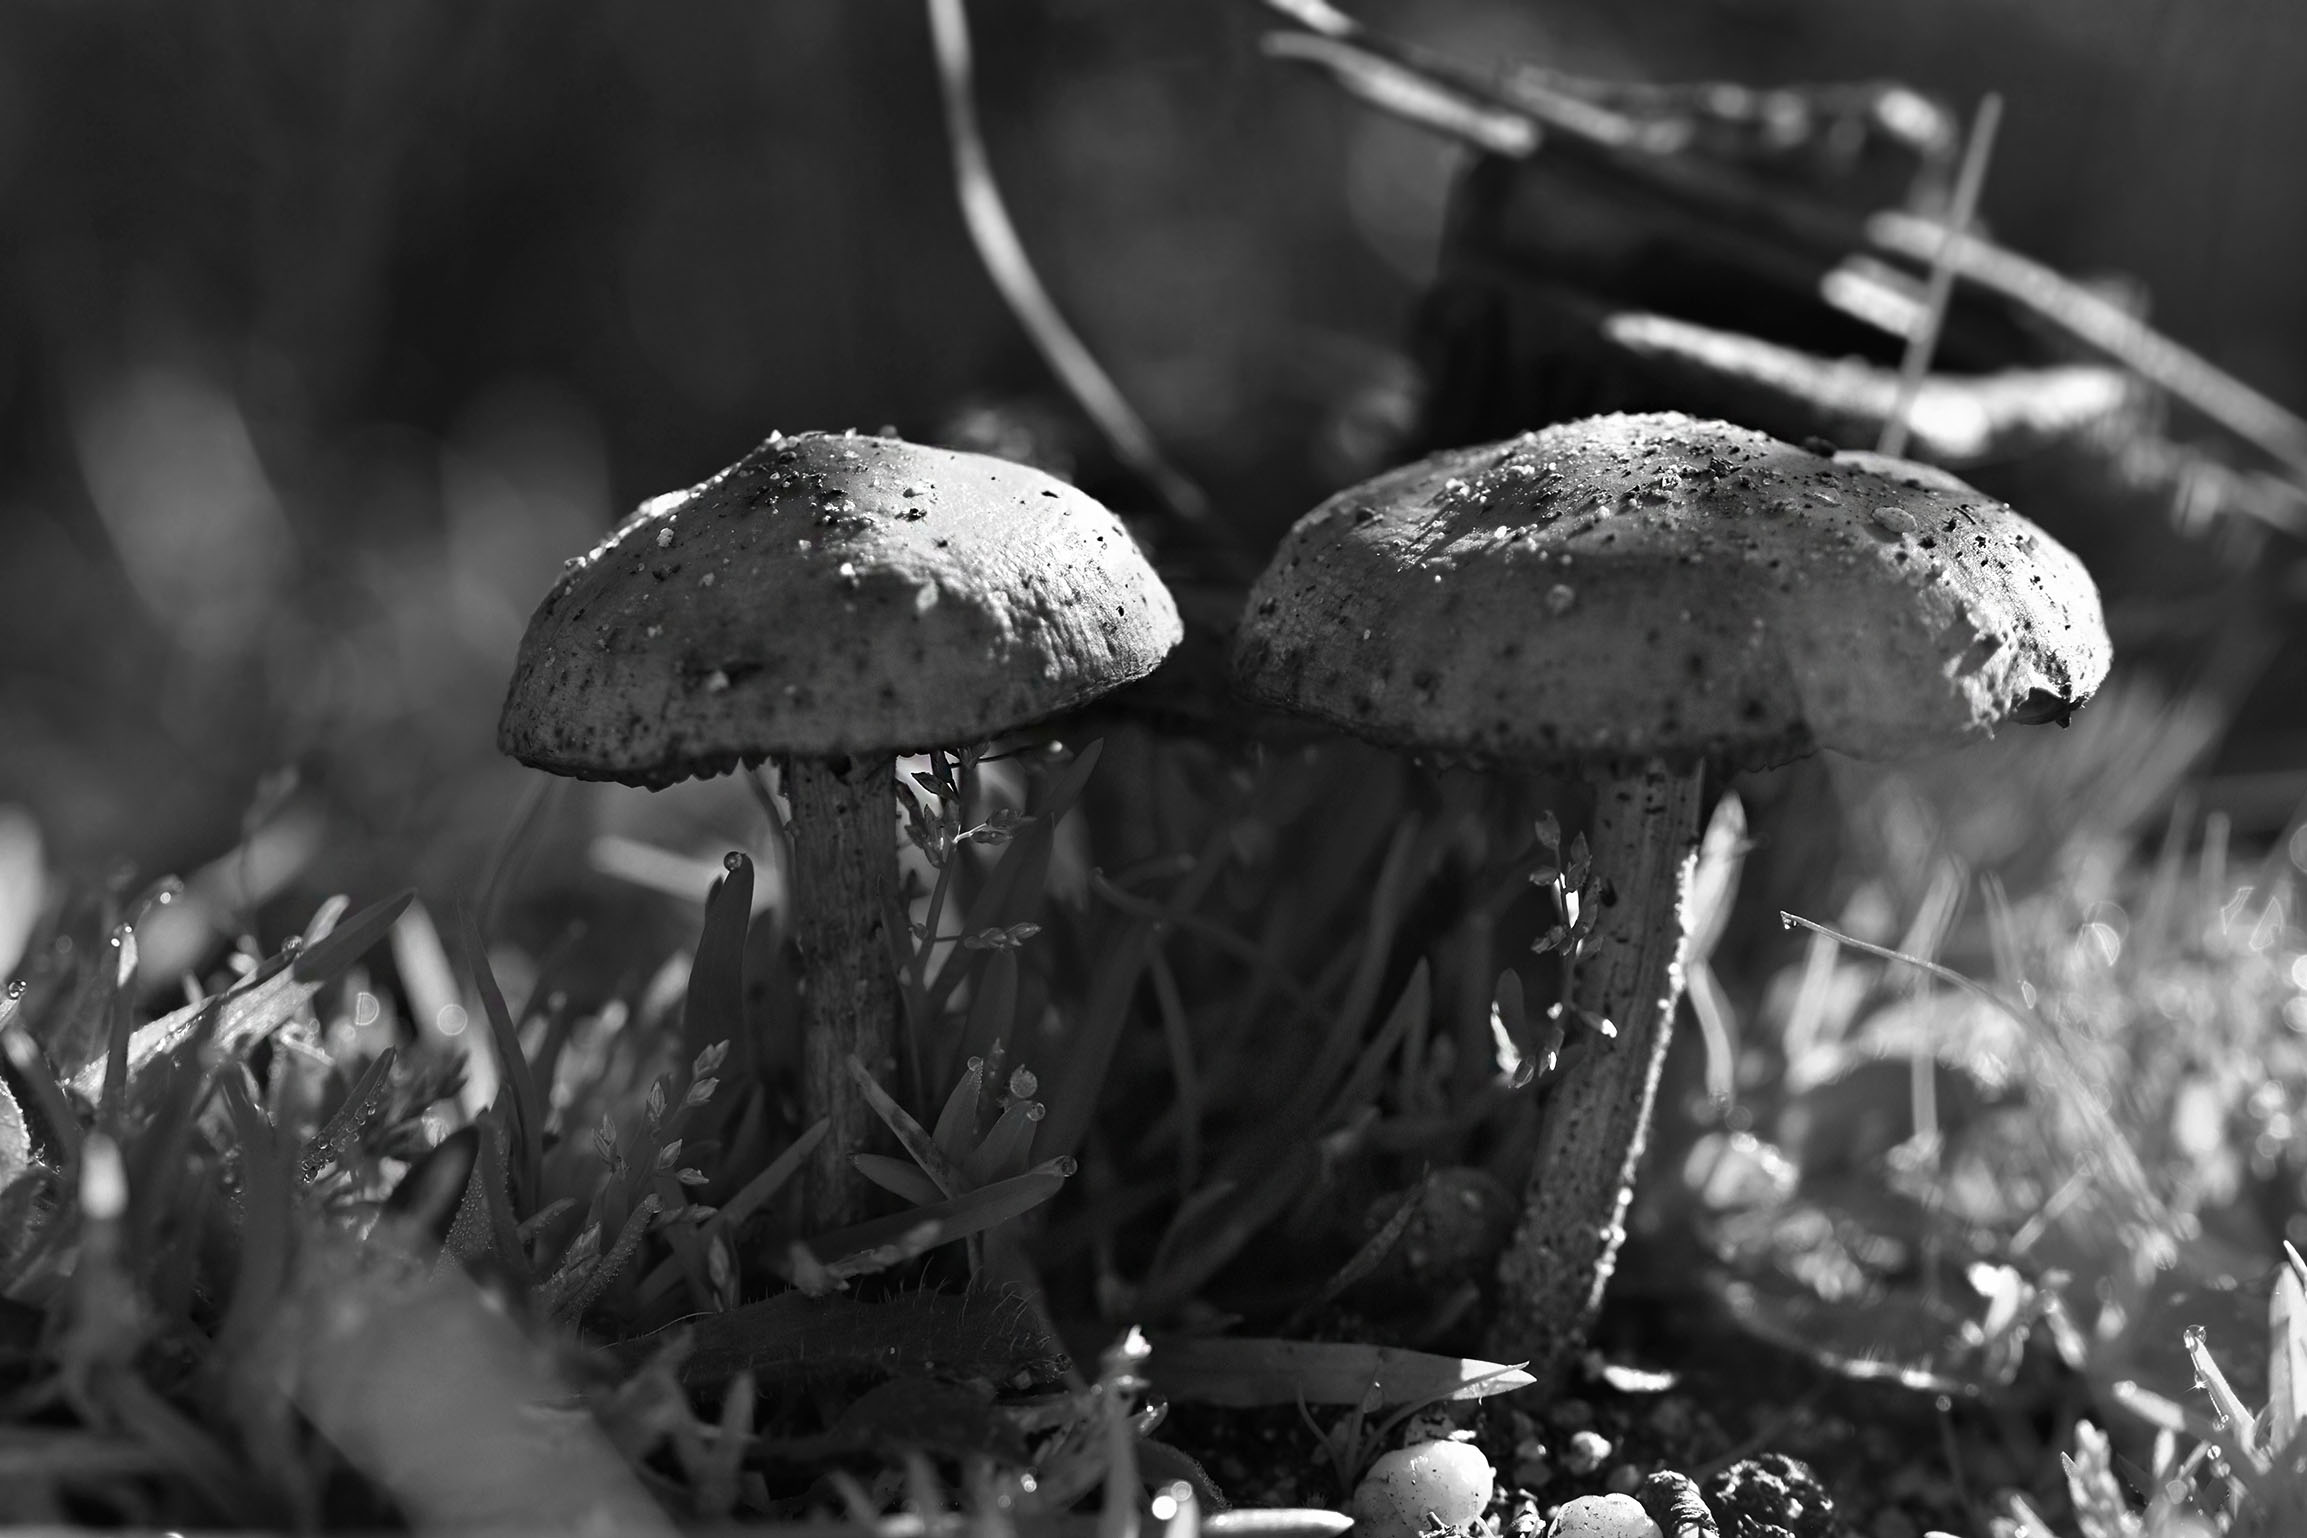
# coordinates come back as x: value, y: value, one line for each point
x: 844, y: 890
x: 1643, y: 842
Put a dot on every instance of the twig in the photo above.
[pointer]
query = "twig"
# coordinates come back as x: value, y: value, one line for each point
x: 1406, y: 93
x: 1006, y: 262
x: 2104, y: 327
x: 1817, y: 228
x: 1961, y: 210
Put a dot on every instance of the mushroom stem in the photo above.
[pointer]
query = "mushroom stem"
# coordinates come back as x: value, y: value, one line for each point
x: 845, y: 889
x: 1643, y: 843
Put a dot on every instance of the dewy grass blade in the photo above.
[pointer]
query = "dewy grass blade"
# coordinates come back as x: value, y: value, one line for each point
x: 361, y: 1104
x: 120, y: 1022
x: 2236, y: 1421
x: 260, y: 1004
x: 956, y: 1130
x: 993, y: 1007
x: 323, y: 960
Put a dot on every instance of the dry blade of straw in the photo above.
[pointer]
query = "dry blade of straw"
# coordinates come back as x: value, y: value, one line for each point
x: 1978, y: 150
x: 1006, y: 262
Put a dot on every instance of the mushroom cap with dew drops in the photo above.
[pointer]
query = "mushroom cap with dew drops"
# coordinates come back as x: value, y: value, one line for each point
x: 832, y: 594
x: 1626, y: 587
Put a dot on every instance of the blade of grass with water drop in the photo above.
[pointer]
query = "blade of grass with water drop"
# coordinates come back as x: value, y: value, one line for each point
x: 361, y: 1104
x: 261, y: 1003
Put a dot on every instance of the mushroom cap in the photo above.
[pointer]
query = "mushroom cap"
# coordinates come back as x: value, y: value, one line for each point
x: 831, y: 594
x: 1628, y: 587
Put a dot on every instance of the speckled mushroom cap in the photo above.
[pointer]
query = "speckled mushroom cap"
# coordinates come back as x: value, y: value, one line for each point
x: 1628, y: 586
x: 829, y: 594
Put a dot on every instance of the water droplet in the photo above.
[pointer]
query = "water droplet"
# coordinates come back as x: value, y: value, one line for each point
x: 664, y: 538
x: 733, y: 862
x: 1896, y: 519
x: 1560, y: 597
x: 716, y: 681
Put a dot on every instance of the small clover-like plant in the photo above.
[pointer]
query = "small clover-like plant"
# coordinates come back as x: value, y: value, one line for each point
x: 1568, y: 876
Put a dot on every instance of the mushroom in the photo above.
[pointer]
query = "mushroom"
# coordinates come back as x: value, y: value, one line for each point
x: 1641, y: 598
x: 833, y: 600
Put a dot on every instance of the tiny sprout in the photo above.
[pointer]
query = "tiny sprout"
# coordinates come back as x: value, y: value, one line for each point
x: 700, y: 1091
x: 710, y: 1060
x: 669, y: 1155
x: 654, y: 1106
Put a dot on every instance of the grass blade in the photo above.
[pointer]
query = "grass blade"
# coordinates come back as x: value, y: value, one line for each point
x: 1231, y: 1370
x: 924, y: 1228
x: 2286, y: 1359
x: 527, y: 1131
x: 335, y: 1138
x: 714, y: 1010
x: 325, y: 959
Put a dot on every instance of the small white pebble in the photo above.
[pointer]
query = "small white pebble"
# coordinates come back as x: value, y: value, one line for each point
x: 1409, y: 1489
x: 1586, y: 1452
x: 1602, y: 1516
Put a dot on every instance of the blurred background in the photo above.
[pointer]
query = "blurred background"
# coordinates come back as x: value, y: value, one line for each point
x: 326, y: 334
